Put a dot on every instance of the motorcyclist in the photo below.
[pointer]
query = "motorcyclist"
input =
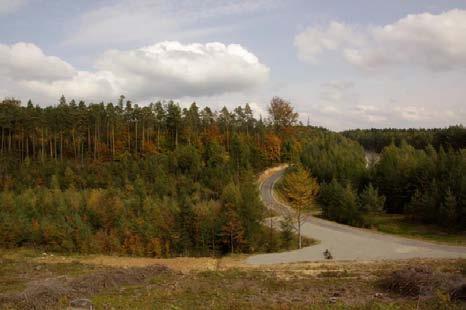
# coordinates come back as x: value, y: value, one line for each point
x: 327, y: 254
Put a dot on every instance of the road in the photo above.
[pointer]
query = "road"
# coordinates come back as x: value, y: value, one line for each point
x: 346, y: 242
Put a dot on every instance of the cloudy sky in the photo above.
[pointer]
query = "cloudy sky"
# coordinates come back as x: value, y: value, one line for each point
x: 343, y: 64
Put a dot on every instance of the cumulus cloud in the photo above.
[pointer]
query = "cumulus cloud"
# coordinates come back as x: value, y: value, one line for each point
x: 420, y: 44
x: 314, y: 41
x: 100, y: 85
x: 434, y: 42
x: 341, y: 106
x: 162, y: 70
x: 26, y: 61
x: 171, y: 69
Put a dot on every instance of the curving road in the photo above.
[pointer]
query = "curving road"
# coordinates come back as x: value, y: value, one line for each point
x: 345, y: 242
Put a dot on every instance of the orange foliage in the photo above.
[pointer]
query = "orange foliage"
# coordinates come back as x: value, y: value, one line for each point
x: 273, y: 147
x: 150, y: 147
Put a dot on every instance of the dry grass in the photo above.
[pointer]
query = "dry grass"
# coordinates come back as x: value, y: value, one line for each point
x: 226, y: 283
x: 56, y: 291
x: 416, y: 281
x: 182, y: 264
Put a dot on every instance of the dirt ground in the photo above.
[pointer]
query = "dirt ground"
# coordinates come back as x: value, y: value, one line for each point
x: 182, y: 264
x: 44, y: 281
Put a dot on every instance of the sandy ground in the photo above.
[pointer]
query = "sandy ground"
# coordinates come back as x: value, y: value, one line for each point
x: 345, y: 242
x: 180, y: 264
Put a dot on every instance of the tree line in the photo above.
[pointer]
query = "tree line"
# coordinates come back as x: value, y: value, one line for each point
x: 162, y: 180
x: 426, y: 184
x: 81, y: 131
x: 376, y: 139
x: 157, y: 180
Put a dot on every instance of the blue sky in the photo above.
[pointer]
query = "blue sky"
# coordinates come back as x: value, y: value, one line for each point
x: 345, y: 64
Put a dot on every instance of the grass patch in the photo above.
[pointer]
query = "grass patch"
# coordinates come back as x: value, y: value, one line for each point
x: 463, y: 268
x: 398, y: 224
x: 335, y: 274
x: 286, y: 286
x: 259, y: 289
x: 230, y: 289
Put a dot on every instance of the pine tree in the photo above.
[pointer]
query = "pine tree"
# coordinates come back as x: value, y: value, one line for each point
x: 370, y: 199
x: 232, y: 231
x: 448, y: 210
x: 286, y: 231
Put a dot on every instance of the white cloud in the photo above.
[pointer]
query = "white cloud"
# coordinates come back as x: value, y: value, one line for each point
x: 435, y: 42
x: 162, y: 70
x: 314, y: 41
x: 338, y: 85
x: 413, y: 113
x: 141, y: 21
x: 171, y: 68
x: 25, y: 61
x: 338, y: 91
x: 370, y: 113
x: 95, y: 86
x: 10, y: 6
x: 406, y: 53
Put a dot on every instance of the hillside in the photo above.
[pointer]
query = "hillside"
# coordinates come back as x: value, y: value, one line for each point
x: 51, y: 282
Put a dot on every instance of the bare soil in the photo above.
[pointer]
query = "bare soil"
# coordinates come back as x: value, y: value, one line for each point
x: 55, y: 291
x: 35, y: 281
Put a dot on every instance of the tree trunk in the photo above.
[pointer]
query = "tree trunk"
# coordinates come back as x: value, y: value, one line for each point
x: 21, y: 145
x: 136, y: 139
x: 107, y: 134
x: 1, y: 149
x: 299, y: 229
x: 213, y: 241
x: 231, y: 241
x: 129, y: 138
x: 142, y: 142
x: 95, y: 140
x: 75, y: 152
x: 34, y: 144
x: 82, y: 153
x: 88, y: 139
x: 51, y: 148
x: 55, y: 148
x: 113, y: 140
x: 9, y: 140
x: 42, y: 151
x: 61, y: 145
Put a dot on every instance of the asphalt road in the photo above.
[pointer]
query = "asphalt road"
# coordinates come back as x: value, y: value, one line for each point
x: 346, y: 242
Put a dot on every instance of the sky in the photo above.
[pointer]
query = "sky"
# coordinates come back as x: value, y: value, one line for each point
x: 342, y: 64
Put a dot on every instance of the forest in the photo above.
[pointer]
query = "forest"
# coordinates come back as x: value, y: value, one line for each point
x: 158, y: 180
x: 425, y: 182
x: 376, y: 139
x: 161, y: 180
x: 427, y: 185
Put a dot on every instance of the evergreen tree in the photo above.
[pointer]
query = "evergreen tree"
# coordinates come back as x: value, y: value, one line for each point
x: 370, y: 200
x: 286, y: 231
x: 448, y: 210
